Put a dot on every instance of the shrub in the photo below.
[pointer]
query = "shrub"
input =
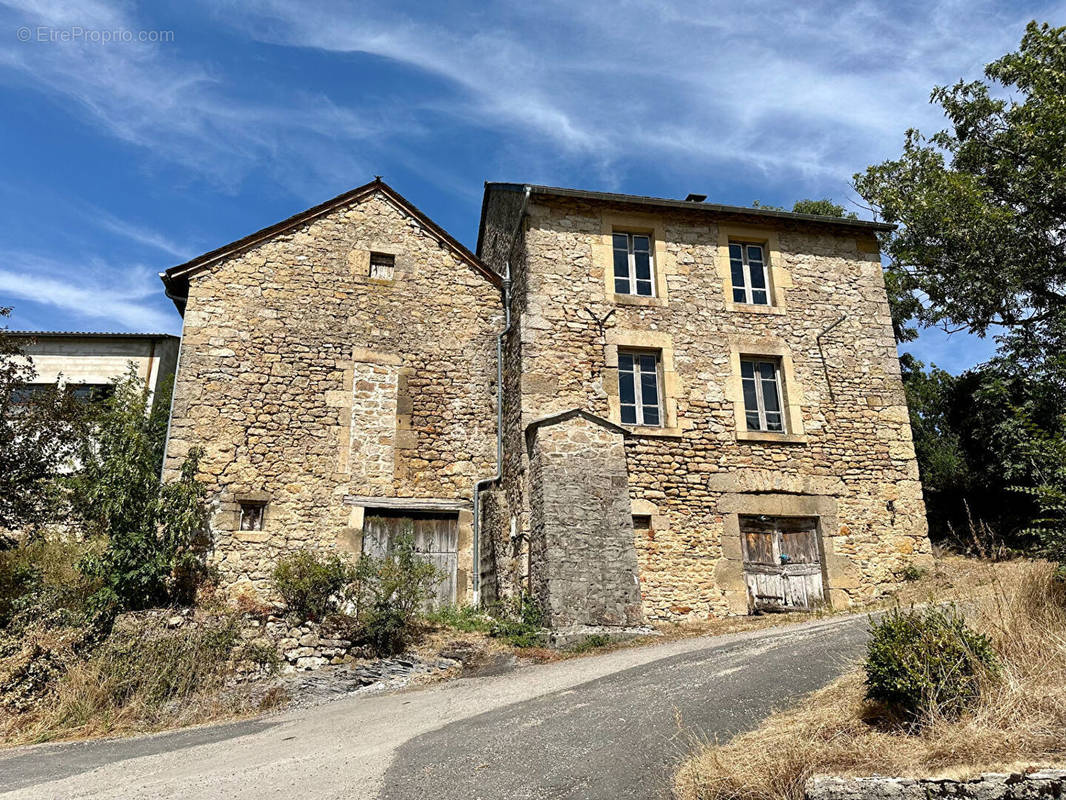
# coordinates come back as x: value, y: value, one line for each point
x: 41, y: 585
x: 926, y: 663
x: 519, y: 622
x: 912, y: 572
x: 389, y: 593
x: 467, y: 619
x: 153, y: 530
x: 591, y: 642
x: 312, y: 584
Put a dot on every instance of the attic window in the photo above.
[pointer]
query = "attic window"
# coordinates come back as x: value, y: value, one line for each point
x: 642, y: 522
x: 252, y: 515
x: 382, y: 266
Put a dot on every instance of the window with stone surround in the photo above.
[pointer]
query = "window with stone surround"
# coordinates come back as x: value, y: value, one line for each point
x: 763, y: 397
x: 382, y: 266
x: 252, y: 513
x: 634, y: 264
x: 749, y: 273
x: 640, y: 397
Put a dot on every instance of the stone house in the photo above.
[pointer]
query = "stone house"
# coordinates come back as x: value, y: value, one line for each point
x: 699, y: 406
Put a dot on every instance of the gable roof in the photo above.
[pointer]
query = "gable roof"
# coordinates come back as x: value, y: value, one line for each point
x: 636, y: 200
x: 176, y: 279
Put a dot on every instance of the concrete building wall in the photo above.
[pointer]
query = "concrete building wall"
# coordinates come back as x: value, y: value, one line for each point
x: 100, y: 358
x: 848, y: 452
x: 308, y: 381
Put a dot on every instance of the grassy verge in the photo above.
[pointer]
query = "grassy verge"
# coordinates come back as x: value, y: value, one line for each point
x: 1020, y: 716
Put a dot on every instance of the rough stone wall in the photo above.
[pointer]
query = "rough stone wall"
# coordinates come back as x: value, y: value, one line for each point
x: 1041, y: 784
x: 305, y: 380
x: 583, y: 563
x: 854, y: 454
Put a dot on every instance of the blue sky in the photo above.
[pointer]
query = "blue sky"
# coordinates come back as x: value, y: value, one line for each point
x: 123, y: 158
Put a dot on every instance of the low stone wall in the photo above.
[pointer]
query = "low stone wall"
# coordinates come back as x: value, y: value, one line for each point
x: 1043, y: 784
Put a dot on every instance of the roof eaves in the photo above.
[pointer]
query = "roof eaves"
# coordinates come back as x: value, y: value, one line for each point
x: 715, y: 208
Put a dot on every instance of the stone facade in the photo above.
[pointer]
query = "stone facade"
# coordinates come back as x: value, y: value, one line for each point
x: 317, y: 389
x: 323, y: 389
x: 846, y: 459
x: 583, y: 562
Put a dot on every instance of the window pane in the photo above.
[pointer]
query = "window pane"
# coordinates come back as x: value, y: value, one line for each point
x: 621, y: 242
x: 642, y: 264
x: 752, y: 418
x: 758, y: 276
x: 738, y: 296
x: 769, y: 396
x: 773, y: 422
x: 751, y: 398
x: 651, y: 415
x: 625, y: 387
x: 754, y: 253
x: 758, y: 297
x: 621, y: 264
x: 736, y: 252
x: 766, y: 370
x: 648, y: 362
x: 629, y: 415
x: 736, y: 269
x: 649, y: 389
x: 644, y: 288
x: 747, y: 369
x: 621, y: 286
x: 641, y: 244
x: 625, y: 361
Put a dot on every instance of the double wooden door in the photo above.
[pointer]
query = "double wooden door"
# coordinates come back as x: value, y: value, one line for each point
x: 435, y: 537
x: 782, y: 563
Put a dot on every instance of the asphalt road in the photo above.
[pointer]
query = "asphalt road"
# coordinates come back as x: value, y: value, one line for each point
x: 606, y: 726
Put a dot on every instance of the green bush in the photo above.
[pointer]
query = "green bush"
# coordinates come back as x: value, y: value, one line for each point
x: 465, y: 618
x: 41, y: 584
x: 312, y: 584
x: 912, y: 572
x: 390, y: 593
x: 519, y: 622
x: 593, y: 641
x: 924, y: 663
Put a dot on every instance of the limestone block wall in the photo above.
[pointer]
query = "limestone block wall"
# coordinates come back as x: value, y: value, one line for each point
x: 848, y: 447
x: 583, y: 563
x: 305, y: 380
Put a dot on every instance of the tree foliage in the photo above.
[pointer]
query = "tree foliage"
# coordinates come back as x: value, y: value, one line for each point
x: 39, y: 432
x: 981, y: 207
x: 153, y: 529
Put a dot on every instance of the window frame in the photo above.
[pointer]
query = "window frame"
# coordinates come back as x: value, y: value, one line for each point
x: 638, y: 387
x: 389, y: 266
x: 631, y: 276
x: 748, y: 288
x: 259, y: 523
x: 760, y: 398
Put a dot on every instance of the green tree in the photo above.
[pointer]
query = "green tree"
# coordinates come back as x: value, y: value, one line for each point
x: 823, y: 208
x: 39, y: 432
x: 981, y: 207
x: 153, y: 529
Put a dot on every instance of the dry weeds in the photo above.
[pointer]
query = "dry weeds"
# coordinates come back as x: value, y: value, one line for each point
x: 1021, y: 717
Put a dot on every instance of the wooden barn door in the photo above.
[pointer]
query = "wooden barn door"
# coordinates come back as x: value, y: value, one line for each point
x: 782, y: 563
x: 435, y: 537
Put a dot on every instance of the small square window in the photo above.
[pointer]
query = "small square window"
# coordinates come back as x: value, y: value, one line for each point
x: 749, y: 274
x: 634, y: 267
x: 642, y: 522
x: 382, y: 266
x: 638, y: 388
x: 252, y: 516
x: 763, y: 396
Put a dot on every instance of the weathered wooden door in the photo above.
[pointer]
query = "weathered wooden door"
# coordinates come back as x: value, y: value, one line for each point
x: 782, y: 563
x: 435, y: 537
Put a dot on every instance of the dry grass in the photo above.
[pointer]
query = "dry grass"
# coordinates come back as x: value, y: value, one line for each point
x: 142, y: 678
x: 1021, y: 716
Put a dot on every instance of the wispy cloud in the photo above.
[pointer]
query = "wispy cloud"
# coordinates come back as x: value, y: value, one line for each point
x: 139, y: 234
x: 113, y: 296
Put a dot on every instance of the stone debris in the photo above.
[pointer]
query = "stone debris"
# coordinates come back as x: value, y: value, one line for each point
x: 1043, y: 784
x: 311, y: 688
